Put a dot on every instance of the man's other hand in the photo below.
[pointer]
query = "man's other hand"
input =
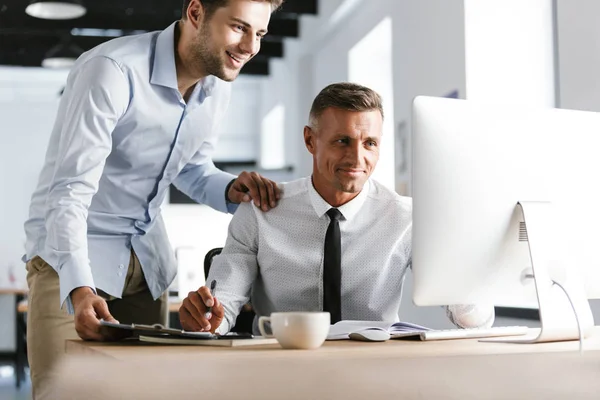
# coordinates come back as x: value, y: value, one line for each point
x: 89, y: 310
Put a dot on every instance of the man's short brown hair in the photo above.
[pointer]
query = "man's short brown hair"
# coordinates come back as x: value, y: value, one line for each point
x: 346, y: 96
x: 210, y: 6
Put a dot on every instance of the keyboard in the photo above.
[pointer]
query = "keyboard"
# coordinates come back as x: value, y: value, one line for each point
x: 447, y: 334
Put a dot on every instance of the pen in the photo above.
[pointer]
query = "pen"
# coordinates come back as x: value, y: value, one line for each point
x: 213, y: 285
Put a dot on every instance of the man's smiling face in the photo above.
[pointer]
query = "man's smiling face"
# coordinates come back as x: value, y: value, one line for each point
x: 231, y: 36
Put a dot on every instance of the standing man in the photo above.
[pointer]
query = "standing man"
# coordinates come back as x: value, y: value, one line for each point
x: 138, y: 114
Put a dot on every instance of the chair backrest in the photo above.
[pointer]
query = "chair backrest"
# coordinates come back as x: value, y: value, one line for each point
x: 208, y: 259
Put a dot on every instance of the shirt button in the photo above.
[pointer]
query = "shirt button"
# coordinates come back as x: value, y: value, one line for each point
x: 137, y: 224
x: 120, y: 273
x: 121, y: 266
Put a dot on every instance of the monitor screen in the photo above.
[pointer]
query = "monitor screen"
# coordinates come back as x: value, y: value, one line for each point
x: 472, y: 164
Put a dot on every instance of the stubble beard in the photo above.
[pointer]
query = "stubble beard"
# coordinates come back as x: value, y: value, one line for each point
x: 211, y: 61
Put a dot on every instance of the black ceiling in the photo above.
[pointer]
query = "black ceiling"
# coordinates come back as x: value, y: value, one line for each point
x: 24, y: 40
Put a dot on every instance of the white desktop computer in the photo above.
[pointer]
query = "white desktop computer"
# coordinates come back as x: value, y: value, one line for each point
x: 506, y: 210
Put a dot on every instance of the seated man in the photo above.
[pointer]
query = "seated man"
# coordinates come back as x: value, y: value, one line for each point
x: 338, y: 241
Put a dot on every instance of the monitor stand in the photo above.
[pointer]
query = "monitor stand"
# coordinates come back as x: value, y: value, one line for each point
x: 557, y: 312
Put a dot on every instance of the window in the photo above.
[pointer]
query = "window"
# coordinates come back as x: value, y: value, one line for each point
x: 272, y: 150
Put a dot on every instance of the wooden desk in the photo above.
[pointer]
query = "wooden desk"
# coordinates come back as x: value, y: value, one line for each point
x: 461, y: 369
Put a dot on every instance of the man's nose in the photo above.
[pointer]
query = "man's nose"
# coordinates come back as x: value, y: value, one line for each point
x: 355, y: 153
x: 250, y: 44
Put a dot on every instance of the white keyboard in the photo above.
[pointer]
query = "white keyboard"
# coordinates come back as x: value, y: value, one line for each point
x: 447, y: 334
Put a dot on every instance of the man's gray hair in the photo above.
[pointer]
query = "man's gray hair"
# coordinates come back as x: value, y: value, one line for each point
x: 346, y: 96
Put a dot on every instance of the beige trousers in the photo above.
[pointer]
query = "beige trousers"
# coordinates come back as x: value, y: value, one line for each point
x: 48, y: 326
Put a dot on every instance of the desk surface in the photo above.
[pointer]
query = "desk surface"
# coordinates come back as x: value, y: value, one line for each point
x: 134, y: 350
x: 465, y: 369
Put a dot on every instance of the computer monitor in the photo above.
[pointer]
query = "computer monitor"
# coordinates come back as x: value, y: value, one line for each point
x: 506, y: 209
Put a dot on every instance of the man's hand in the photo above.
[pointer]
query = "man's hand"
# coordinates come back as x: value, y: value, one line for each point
x: 252, y: 186
x: 89, y: 309
x: 192, y: 313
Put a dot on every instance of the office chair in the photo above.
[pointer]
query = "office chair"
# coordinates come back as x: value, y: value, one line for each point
x: 244, y: 321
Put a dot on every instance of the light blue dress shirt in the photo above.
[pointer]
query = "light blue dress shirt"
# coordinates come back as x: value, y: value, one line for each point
x: 122, y: 135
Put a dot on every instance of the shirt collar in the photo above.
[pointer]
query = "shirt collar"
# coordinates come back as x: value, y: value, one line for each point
x: 164, y: 72
x: 348, y: 210
x: 208, y: 84
x: 163, y: 68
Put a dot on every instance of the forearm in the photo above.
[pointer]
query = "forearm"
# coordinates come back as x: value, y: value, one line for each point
x: 206, y: 184
x: 235, y: 277
x: 236, y: 268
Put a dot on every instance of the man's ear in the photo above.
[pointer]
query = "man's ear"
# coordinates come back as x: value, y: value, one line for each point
x: 309, y: 139
x: 195, y: 13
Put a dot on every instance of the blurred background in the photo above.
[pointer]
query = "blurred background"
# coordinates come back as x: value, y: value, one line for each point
x: 539, y: 52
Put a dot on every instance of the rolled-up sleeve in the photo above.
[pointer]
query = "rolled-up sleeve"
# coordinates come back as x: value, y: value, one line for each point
x: 96, y: 96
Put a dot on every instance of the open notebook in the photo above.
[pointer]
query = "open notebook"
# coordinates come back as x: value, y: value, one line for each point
x: 364, y: 330
x: 343, y: 329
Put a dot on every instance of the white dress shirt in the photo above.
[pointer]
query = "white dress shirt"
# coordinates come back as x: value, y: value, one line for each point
x: 275, y: 258
x: 122, y: 135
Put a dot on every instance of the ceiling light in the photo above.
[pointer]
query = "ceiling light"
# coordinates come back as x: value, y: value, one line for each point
x: 57, y: 9
x: 63, y: 55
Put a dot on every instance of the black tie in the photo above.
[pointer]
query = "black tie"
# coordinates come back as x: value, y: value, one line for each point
x: 332, y: 268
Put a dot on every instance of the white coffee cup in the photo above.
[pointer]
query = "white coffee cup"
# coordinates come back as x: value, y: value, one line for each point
x: 297, y: 330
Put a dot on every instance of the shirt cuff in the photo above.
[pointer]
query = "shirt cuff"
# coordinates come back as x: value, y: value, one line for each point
x: 223, y: 328
x: 218, y: 197
x: 71, y: 276
x: 231, y: 207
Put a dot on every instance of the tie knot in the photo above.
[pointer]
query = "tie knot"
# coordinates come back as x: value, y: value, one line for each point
x: 334, y: 214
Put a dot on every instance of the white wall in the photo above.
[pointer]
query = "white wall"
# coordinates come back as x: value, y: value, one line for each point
x: 579, y: 54
x: 272, y: 138
x: 239, y: 140
x: 510, y: 51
